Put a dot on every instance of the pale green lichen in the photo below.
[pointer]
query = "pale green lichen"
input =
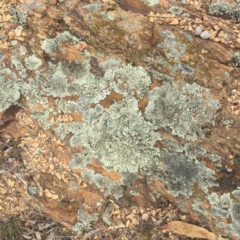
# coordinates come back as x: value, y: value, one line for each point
x: 32, y: 62
x: 85, y: 220
x: 18, y: 16
x: 197, y: 206
x: 9, y: 91
x: 227, y: 121
x: 110, y: 188
x: 236, y: 58
x: 94, y: 7
x: 175, y: 10
x: 221, y: 7
x: 181, y: 173
x: 79, y: 160
x: 151, y: 3
x: 182, y: 113
x: 58, y: 86
x: 107, y: 215
x: 32, y: 191
x: 50, y: 45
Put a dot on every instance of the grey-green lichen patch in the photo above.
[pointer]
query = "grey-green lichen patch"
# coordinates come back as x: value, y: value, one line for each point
x: 106, y: 215
x: 41, y: 116
x: 236, y: 193
x: 32, y: 62
x: 214, y: 157
x: 50, y: 45
x: 175, y: 49
x: 94, y: 7
x: 197, y: 206
x: 18, y: 16
x: 58, y: 85
x: 18, y: 65
x: 32, y: 191
x: 214, y: 199
x: 234, y: 227
x: 128, y: 178
x: 85, y: 220
x: 37, y: 151
x: 122, y: 127
x: 134, y: 193
x: 226, y: 121
x: 79, y: 160
x: 181, y: 173
x: 186, y: 70
x: 150, y: 2
x: 226, y: 200
x: 180, y: 112
x: 9, y: 91
x: 86, y: 217
x: 175, y: 10
x: 111, y: 188
x: 128, y: 80
x: 221, y: 8
x: 236, y: 58
x: 14, y: 42
x: 181, y: 206
x: 81, y: 227
x: 219, y: 212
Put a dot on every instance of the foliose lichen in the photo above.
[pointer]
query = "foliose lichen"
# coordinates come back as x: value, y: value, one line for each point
x: 32, y: 62
x: 50, y: 45
x: 111, y: 188
x: 175, y: 10
x: 18, y: 16
x: 221, y: 7
x: 150, y: 2
x: 9, y: 91
x: 236, y: 58
x: 85, y: 220
x: 165, y: 109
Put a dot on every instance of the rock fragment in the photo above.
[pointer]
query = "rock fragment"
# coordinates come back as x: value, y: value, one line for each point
x: 205, y: 35
x: 198, y: 31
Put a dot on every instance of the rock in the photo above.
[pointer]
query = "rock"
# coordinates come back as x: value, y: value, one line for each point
x: 111, y: 121
x: 198, y: 31
x: 184, y: 2
x: 205, y: 35
x: 174, y: 22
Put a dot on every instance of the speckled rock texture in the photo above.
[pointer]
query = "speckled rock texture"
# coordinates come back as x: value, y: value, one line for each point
x: 140, y: 105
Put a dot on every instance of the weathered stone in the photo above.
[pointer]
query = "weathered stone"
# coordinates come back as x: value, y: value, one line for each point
x: 205, y: 35
x: 198, y: 31
x: 124, y: 110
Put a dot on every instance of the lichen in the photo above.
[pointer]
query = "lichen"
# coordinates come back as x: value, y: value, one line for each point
x: 111, y: 188
x: 79, y: 160
x: 181, y: 173
x: 175, y: 10
x: 32, y: 191
x: 94, y: 7
x: 226, y: 121
x: 150, y: 2
x: 50, y: 45
x: 165, y: 109
x: 220, y: 8
x: 18, y: 16
x: 9, y: 91
x: 85, y: 220
x: 236, y: 59
x: 32, y: 62
x: 196, y: 206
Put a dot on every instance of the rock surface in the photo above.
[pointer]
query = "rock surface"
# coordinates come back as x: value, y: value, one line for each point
x: 128, y: 105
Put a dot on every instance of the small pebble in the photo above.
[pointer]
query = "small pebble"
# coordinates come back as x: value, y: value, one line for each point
x: 184, y: 2
x: 198, y: 31
x: 205, y: 35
